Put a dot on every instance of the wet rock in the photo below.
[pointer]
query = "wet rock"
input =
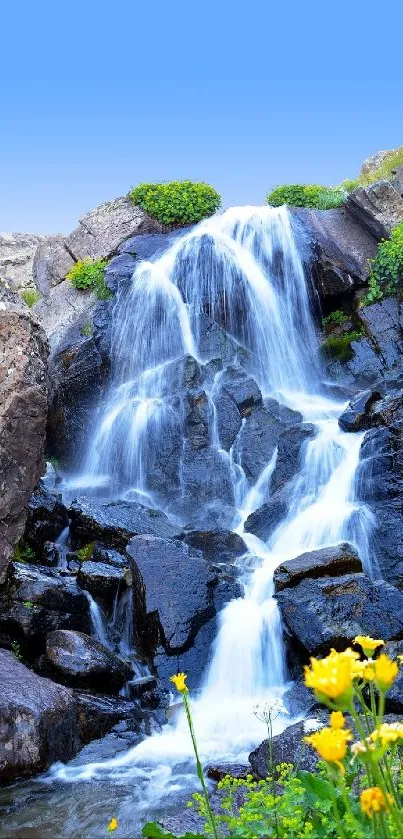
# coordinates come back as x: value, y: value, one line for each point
x: 258, y: 441
x: 150, y: 245
x: 214, y: 343
x: 38, y: 600
x: 242, y: 389
x: 109, y: 556
x: 37, y: 721
x: 98, y: 714
x: 366, y: 368
x: 378, y: 208
x: 288, y: 747
x: 229, y: 420
x: 266, y: 518
x: 383, y: 323
x: 330, y: 612
x: 102, y: 581
x: 79, y: 660
x: 290, y: 454
x: 217, y: 546
x: 355, y: 416
x: 206, y: 477
x: 119, y: 268
x: 23, y: 409
x: 116, y: 522
x: 333, y: 561
x: 299, y: 700
x: 235, y: 770
x: 47, y: 516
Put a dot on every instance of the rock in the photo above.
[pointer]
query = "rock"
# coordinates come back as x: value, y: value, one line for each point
x: 101, y: 231
x: 98, y: 714
x: 109, y: 556
x: 258, y: 441
x: 378, y: 208
x: 116, y: 522
x: 37, y: 721
x: 288, y: 747
x: 326, y: 562
x: 299, y: 700
x: 64, y: 306
x: 52, y: 261
x: 102, y: 581
x: 266, y: 518
x: 17, y: 252
x: 373, y: 162
x: 355, y: 416
x: 229, y: 420
x: 119, y: 269
x: 383, y: 323
x: 47, y: 516
x: 23, y: 409
x: 79, y: 660
x: 38, y: 600
x: 235, y: 770
x: 339, y: 251
x: 394, y: 697
x: 217, y: 545
x: 151, y: 245
x: 290, y: 454
x: 398, y: 180
x: 330, y: 612
x: 242, y: 389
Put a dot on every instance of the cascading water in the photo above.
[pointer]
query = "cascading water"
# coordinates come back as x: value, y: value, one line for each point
x: 241, y: 270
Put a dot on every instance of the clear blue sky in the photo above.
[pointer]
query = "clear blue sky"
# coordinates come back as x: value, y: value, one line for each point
x: 94, y: 98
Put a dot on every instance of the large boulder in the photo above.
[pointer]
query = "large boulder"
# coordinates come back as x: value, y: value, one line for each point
x: 98, y: 714
x: 333, y: 561
x: 52, y: 261
x: 102, y: 580
x: 329, y: 612
x: 263, y: 521
x: 79, y: 660
x: 37, y: 721
x: 63, y: 307
x: 288, y: 747
x: 356, y: 416
x: 116, y: 522
x: 378, y: 208
x: 23, y: 410
x: 17, y: 252
x: 290, y: 451
x: 47, y: 516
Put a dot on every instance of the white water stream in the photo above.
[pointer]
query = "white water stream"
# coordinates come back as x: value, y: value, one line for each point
x: 244, y: 269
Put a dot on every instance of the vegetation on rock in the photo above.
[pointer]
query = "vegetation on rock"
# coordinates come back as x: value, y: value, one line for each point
x: 386, y: 275
x: 307, y: 195
x: 30, y: 296
x: 85, y: 552
x: 178, y: 202
x: 391, y: 161
x: 339, y: 346
x: 90, y: 274
x: 23, y: 553
x: 337, y: 318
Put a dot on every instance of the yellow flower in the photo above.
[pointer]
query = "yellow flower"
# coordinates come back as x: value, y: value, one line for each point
x: 337, y: 720
x: 400, y: 658
x: 179, y: 682
x: 373, y: 801
x: 113, y: 825
x: 386, y: 671
x: 363, y: 670
x: 330, y: 744
x: 331, y: 678
x: 388, y: 733
x: 369, y: 645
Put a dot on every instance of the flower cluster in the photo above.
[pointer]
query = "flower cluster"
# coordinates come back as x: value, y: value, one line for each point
x: 270, y: 709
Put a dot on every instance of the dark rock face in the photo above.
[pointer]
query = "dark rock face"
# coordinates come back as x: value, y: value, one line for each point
x: 394, y: 699
x: 116, y: 522
x: 377, y: 207
x: 355, y: 416
x: 216, y: 545
x: 102, y: 581
x: 288, y: 747
x: 97, y: 715
x: 47, y: 516
x: 37, y: 721
x: 290, y: 453
x: 23, y: 410
x: 326, y: 562
x: 263, y: 522
x: 39, y: 600
x: 218, y: 771
x: 328, y: 612
x: 79, y: 660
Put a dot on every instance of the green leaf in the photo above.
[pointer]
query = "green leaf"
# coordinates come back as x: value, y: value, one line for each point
x: 314, y: 786
x: 155, y: 831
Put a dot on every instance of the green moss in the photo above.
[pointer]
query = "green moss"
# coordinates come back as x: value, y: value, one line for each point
x: 87, y: 330
x: 337, y: 317
x: 16, y: 649
x: 85, y: 553
x: 30, y: 296
x: 307, y: 195
x: 177, y: 202
x: 28, y: 604
x: 23, y: 553
x: 90, y: 274
x: 339, y: 346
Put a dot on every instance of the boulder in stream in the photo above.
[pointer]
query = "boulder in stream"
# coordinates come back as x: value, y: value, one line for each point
x: 116, y: 522
x: 80, y: 660
x: 333, y: 561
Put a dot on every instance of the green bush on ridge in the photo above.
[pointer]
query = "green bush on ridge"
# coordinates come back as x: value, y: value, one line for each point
x: 307, y: 195
x: 177, y: 202
x: 386, y: 275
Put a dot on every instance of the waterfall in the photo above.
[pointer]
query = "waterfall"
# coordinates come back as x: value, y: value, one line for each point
x: 242, y: 271
x: 98, y: 623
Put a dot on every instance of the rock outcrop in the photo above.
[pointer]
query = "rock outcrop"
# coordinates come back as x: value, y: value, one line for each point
x: 377, y: 208
x: 330, y: 562
x: 79, y: 660
x: 17, y: 254
x: 23, y: 412
x: 38, y: 723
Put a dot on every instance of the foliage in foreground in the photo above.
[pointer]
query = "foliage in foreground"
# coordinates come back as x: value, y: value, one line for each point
x: 356, y: 791
x: 178, y: 202
x: 386, y: 275
x: 90, y: 274
x: 307, y: 195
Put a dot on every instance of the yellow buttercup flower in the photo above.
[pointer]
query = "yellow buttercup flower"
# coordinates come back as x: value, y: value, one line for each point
x: 330, y: 744
x: 369, y: 645
x: 388, y: 733
x: 372, y: 800
x: 331, y: 678
x: 113, y: 825
x: 386, y: 671
x: 179, y: 682
x: 337, y: 720
x: 363, y: 670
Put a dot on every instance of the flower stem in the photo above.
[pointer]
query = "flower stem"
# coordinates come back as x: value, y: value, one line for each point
x: 199, y: 768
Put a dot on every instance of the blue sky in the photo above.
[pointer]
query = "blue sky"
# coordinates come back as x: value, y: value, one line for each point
x: 94, y: 99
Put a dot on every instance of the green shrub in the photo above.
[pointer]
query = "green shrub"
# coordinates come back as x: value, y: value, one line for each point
x: 30, y: 296
x: 349, y: 184
x: 339, y: 346
x: 28, y: 604
x: 90, y: 274
x: 85, y: 553
x: 387, y: 268
x: 87, y: 330
x: 178, y: 202
x: 16, y: 650
x: 23, y: 553
x: 338, y: 317
x: 307, y: 195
